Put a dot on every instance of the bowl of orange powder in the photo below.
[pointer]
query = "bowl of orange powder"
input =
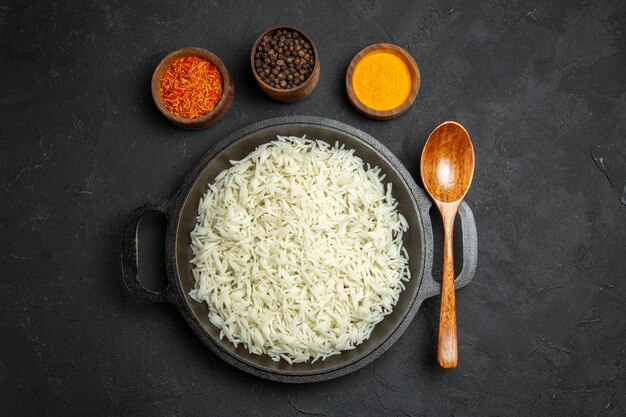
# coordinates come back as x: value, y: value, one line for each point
x: 192, y: 88
x: 382, y: 81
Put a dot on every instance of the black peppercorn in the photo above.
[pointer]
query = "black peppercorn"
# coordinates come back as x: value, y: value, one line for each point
x: 284, y: 59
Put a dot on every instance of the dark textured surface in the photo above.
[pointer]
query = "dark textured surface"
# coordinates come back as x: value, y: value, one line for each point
x: 541, y: 88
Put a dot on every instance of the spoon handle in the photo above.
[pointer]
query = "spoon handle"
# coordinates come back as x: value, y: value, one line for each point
x: 447, y: 351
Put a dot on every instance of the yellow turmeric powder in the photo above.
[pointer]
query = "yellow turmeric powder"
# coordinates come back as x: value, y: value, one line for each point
x: 382, y: 80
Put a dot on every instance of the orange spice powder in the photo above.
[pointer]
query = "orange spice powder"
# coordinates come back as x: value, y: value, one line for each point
x: 191, y: 87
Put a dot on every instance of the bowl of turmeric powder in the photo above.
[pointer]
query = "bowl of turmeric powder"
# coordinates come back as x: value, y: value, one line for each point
x: 382, y: 81
x: 192, y: 88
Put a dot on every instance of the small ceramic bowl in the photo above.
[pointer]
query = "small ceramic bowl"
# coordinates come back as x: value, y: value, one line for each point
x: 215, y: 115
x: 415, y: 82
x: 293, y: 94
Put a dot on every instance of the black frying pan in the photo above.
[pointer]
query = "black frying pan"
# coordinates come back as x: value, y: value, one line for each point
x: 181, y: 211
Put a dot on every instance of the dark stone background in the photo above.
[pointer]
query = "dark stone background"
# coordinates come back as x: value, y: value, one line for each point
x: 541, y: 87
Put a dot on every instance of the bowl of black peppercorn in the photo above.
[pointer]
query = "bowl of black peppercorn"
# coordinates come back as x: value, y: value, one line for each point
x: 285, y: 63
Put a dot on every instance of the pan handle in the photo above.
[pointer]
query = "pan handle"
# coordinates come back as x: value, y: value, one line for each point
x: 129, y: 252
x: 470, y: 255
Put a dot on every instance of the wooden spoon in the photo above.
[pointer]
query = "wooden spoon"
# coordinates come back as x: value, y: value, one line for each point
x: 447, y: 168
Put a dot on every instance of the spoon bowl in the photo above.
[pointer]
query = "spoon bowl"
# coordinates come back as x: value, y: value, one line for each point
x: 448, y: 163
x: 447, y: 169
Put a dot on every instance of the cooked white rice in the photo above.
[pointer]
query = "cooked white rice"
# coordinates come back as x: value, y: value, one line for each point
x: 298, y: 250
